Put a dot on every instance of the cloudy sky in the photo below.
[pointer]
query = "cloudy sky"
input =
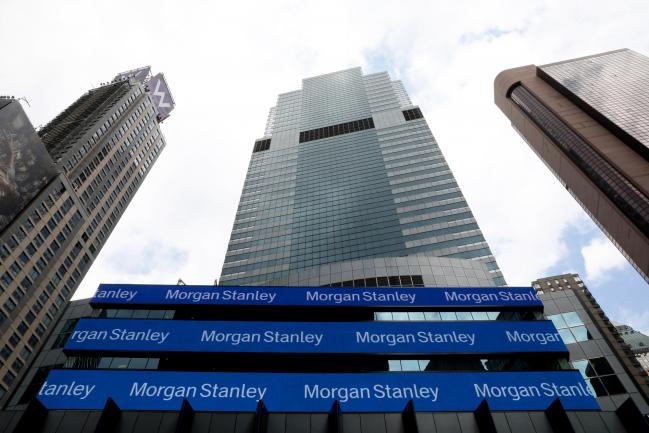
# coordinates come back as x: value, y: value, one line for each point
x: 227, y: 61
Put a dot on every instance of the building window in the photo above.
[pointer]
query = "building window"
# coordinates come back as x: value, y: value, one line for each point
x: 9, y: 378
x: 261, y: 145
x: 333, y: 130
x: 65, y: 333
x: 570, y: 327
x: 600, y: 376
x: 412, y: 114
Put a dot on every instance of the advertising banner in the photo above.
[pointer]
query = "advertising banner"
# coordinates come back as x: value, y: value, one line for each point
x: 298, y: 392
x: 25, y: 165
x: 140, y: 74
x: 161, y: 96
x: 315, y: 337
x: 394, y: 297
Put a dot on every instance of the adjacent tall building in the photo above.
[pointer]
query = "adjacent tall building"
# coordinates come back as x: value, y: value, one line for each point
x: 638, y: 344
x: 62, y: 190
x: 597, y: 348
x: 587, y: 120
x: 348, y: 187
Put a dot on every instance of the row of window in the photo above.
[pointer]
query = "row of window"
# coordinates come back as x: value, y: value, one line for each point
x: 87, y: 362
x: 472, y: 364
x: 600, y: 376
x: 412, y: 114
x: 96, y: 136
x: 334, y: 130
x: 570, y: 327
x: 20, y: 233
x: 107, y: 169
x: 40, y: 264
x: 118, y: 186
x: 261, y: 145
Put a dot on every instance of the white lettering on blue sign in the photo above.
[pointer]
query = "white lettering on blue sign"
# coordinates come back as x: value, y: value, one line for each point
x: 367, y: 296
x: 311, y: 296
x: 542, y: 338
x: 516, y: 393
x: 518, y: 297
x: 305, y: 392
x: 117, y: 294
x: 236, y: 338
x: 379, y: 391
x: 394, y: 339
x: 182, y: 294
x: 207, y: 390
x: 312, y: 337
x: 119, y: 334
x: 72, y: 389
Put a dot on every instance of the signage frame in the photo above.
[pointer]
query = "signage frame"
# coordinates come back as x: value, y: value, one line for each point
x: 425, y: 299
x: 374, y: 338
x: 312, y: 392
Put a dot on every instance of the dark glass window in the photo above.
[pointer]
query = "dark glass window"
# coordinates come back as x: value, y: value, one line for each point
x: 333, y: 130
x: 412, y: 114
x: 600, y: 375
x: 261, y: 145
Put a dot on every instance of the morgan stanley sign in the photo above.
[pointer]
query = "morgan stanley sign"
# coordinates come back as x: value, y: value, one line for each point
x: 501, y: 297
x: 313, y: 337
x: 296, y: 392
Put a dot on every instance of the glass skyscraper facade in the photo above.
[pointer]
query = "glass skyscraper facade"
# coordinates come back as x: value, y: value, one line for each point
x: 349, y: 171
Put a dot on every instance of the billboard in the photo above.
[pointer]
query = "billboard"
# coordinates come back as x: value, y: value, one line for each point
x: 381, y: 298
x: 25, y: 165
x: 140, y: 74
x: 300, y: 392
x: 383, y: 338
x: 161, y: 96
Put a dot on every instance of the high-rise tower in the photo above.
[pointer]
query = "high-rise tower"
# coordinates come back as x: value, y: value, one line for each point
x: 587, y: 120
x: 349, y: 187
x: 62, y: 190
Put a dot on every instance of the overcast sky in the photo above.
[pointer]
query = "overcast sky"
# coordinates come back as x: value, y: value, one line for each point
x: 225, y: 63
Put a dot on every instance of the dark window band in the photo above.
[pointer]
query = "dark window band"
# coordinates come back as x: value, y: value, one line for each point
x: 389, y: 281
x: 631, y: 201
x: 261, y: 145
x: 333, y: 130
x: 412, y: 114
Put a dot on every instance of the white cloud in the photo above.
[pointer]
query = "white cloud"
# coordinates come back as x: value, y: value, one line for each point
x: 600, y: 259
x: 226, y: 63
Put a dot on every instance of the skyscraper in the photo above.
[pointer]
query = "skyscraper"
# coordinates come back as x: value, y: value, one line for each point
x: 62, y: 190
x: 587, y: 120
x: 349, y: 187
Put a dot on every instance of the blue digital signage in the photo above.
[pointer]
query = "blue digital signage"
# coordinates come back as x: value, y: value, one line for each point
x: 297, y: 392
x: 315, y: 337
x: 394, y: 297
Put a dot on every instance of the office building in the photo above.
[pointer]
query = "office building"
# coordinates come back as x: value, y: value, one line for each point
x: 638, y: 344
x: 349, y: 172
x: 586, y: 119
x: 63, y: 188
x: 596, y: 347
